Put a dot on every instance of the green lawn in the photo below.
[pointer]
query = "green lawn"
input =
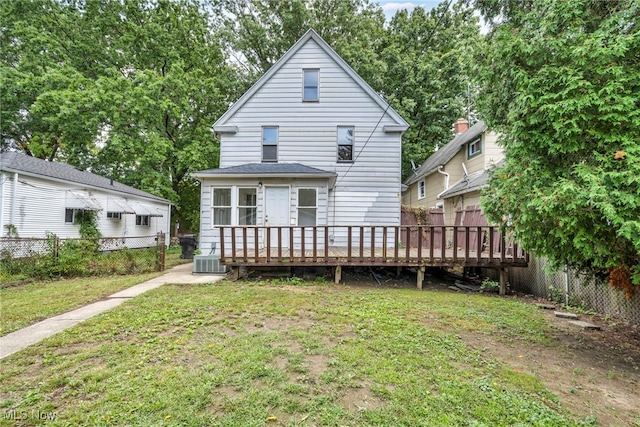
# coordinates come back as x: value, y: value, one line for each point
x: 241, y: 354
x: 24, y: 305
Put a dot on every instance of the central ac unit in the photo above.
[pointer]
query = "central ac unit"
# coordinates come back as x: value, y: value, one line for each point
x: 209, y: 264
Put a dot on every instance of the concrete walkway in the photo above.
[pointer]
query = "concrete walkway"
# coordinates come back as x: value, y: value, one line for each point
x: 16, y: 341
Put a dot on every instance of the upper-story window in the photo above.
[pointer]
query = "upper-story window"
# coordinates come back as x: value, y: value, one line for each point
x: 345, y: 143
x: 421, y: 189
x: 269, y: 144
x: 310, y: 85
x: 475, y: 147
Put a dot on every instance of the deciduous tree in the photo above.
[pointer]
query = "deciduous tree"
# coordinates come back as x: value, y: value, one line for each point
x: 127, y: 88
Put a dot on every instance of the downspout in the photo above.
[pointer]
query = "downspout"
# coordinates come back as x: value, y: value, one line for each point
x: 14, y: 197
x: 446, y: 181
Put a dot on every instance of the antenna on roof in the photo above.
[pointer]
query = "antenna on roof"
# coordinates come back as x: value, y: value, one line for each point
x: 413, y: 166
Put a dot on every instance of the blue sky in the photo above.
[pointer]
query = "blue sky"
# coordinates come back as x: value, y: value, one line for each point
x: 391, y: 6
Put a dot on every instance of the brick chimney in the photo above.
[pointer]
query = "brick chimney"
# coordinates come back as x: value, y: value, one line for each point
x: 460, y: 126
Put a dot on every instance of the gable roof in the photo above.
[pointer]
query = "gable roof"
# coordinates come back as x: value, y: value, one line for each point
x: 58, y: 171
x: 266, y: 170
x: 446, y: 153
x: 473, y: 182
x: 311, y: 35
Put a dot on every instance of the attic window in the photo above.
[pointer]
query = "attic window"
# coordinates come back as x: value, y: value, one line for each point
x: 310, y: 84
x: 421, y: 189
x: 474, y: 148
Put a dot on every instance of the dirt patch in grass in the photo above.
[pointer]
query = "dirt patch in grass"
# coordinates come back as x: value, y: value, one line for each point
x: 594, y: 373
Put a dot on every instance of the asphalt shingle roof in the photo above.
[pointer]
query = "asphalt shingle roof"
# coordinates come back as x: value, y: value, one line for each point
x: 21, y: 163
x: 473, y: 182
x: 259, y: 169
x: 446, y: 153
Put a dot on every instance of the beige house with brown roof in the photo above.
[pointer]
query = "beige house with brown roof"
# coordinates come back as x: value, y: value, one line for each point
x: 451, y: 178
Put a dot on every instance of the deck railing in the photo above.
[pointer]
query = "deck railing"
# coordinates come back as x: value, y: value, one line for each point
x: 401, y: 245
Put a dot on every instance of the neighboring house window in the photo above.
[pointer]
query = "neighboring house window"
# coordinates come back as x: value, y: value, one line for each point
x: 269, y: 144
x: 345, y: 143
x: 475, y: 148
x: 421, y: 190
x: 221, y: 208
x: 143, y: 220
x: 114, y: 215
x: 247, y: 206
x: 310, y: 79
x: 69, y: 215
x: 307, y: 206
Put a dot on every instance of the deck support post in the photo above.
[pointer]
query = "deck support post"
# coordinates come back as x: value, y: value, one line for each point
x: 338, y: 274
x: 421, y: 270
x: 398, y: 271
x: 503, y: 281
x: 235, y: 274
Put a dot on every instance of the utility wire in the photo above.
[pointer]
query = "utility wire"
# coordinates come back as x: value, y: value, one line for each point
x: 389, y: 104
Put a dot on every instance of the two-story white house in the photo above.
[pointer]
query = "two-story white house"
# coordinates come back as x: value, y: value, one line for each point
x: 310, y: 143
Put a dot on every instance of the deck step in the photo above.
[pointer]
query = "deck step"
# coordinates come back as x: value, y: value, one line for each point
x: 584, y: 325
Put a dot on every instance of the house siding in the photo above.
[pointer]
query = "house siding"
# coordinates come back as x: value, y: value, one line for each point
x: 41, y: 203
x: 210, y: 236
x: 367, y: 191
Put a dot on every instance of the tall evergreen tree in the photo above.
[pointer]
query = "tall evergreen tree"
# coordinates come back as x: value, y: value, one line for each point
x: 561, y: 81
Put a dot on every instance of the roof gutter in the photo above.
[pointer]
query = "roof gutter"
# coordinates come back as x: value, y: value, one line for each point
x: 446, y: 181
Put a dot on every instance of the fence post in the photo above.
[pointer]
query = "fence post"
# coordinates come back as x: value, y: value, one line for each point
x: 162, y: 251
x: 56, y: 247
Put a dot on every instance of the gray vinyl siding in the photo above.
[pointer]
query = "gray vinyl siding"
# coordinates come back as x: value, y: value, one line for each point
x: 210, y: 235
x: 41, y: 203
x: 367, y: 191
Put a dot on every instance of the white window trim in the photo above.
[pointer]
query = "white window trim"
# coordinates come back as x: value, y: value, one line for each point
x: 476, y: 142
x: 422, y: 189
x: 317, y: 99
x: 148, y: 221
x: 262, y: 144
x: 235, y: 206
x: 239, y: 206
x: 213, y: 207
x: 73, y: 215
x: 116, y: 216
x: 298, y: 207
x: 353, y: 144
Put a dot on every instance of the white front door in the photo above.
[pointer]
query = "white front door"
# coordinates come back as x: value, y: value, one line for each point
x: 277, y: 207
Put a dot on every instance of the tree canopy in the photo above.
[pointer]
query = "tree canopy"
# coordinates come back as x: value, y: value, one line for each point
x: 130, y: 89
x: 561, y: 81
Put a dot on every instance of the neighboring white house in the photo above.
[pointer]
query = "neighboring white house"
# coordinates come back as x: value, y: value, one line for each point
x: 38, y: 196
x: 311, y: 143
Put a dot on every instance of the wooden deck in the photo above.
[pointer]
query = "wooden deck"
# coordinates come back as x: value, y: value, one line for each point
x: 417, y: 246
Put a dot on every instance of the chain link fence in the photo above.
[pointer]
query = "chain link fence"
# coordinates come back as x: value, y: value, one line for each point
x: 585, y: 292
x: 53, y: 256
